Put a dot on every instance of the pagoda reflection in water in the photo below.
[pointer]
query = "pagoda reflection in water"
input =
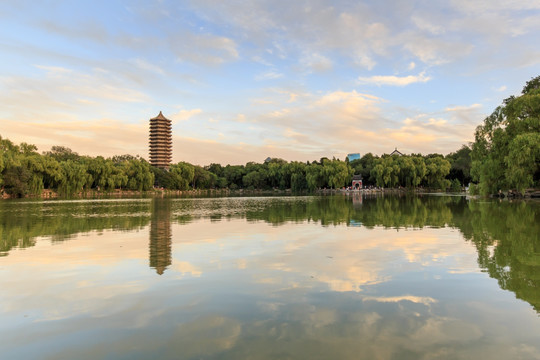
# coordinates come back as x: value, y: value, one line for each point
x: 160, y: 235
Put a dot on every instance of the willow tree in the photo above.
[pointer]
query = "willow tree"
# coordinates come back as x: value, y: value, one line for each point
x: 506, y: 151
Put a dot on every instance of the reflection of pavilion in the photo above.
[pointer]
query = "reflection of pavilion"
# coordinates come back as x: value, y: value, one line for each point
x: 160, y: 235
x: 357, y: 199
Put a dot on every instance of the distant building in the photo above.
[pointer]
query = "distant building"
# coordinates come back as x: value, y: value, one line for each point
x: 160, y: 142
x: 357, y: 182
x: 396, y: 152
x: 353, y: 156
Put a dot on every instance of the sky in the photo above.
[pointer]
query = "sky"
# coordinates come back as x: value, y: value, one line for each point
x: 246, y: 80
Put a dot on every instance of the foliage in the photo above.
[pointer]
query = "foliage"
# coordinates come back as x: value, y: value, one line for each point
x: 16, y: 179
x: 505, y: 154
x: 460, y: 165
x: 62, y: 153
x: 23, y: 171
x: 182, y: 174
x: 437, y: 170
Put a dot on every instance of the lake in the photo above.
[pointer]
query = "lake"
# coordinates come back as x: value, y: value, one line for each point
x: 314, y: 277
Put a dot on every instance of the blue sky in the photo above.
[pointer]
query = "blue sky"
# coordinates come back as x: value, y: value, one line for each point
x: 244, y: 80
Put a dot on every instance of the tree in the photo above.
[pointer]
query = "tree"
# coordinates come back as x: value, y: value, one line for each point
x: 62, y: 153
x: 407, y: 171
x: 234, y: 175
x: 460, y: 165
x: 102, y: 172
x: 203, y: 179
x: 139, y: 175
x: 182, y: 174
x: 314, y: 177
x: 338, y: 173
x: 522, y: 161
x: 298, y: 176
x: 74, y: 179
x: 16, y: 180
x: 386, y: 171
x: 437, y: 169
x: 498, y: 160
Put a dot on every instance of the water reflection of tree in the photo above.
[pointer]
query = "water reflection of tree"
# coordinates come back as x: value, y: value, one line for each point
x: 21, y: 223
x: 160, y: 235
x: 505, y: 234
x: 388, y: 212
x: 507, y: 238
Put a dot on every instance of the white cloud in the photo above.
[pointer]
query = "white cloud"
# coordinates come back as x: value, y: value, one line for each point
x: 184, y: 115
x: 203, y: 49
x: 316, y: 62
x: 424, y: 24
x: 437, y: 122
x: 482, y: 6
x: 464, y: 107
x: 54, y: 70
x: 392, y: 80
x: 435, y: 51
x: 145, y: 65
x: 365, y: 61
x: 269, y: 75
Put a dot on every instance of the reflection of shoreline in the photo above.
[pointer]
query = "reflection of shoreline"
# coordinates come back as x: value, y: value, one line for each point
x: 505, y: 234
x: 160, y: 235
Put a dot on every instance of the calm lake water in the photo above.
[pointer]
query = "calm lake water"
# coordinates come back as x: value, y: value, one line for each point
x: 335, y: 277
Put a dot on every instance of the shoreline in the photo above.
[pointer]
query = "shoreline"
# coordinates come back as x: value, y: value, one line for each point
x: 118, y: 193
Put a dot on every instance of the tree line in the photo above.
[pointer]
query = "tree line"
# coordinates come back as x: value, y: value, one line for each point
x: 23, y: 171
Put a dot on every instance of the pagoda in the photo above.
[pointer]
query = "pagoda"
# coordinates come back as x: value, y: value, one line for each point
x: 160, y: 142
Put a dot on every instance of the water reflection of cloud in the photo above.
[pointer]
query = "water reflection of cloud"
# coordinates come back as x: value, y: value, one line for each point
x: 204, y: 337
x: 185, y: 268
x: 415, y: 299
x: 344, y: 259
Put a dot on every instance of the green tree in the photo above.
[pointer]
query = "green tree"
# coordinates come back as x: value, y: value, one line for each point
x: 497, y: 160
x: 182, y: 175
x: 297, y: 171
x: 139, y: 175
x: 420, y: 169
x: 62, y: 153
x: 203, y: 179
x: 386, y: 171
x: 74, y: 179
x: 337, y: 173
x: 103, y: 173
x: 407, y: 171
x: 314, y: 176
x: 460, y: 165
x: 234, y: 175
x: 16, y: 180
x: 367, y: 162
x: 437, y: 170
x: 523, y: 161
x: 34, y: 163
